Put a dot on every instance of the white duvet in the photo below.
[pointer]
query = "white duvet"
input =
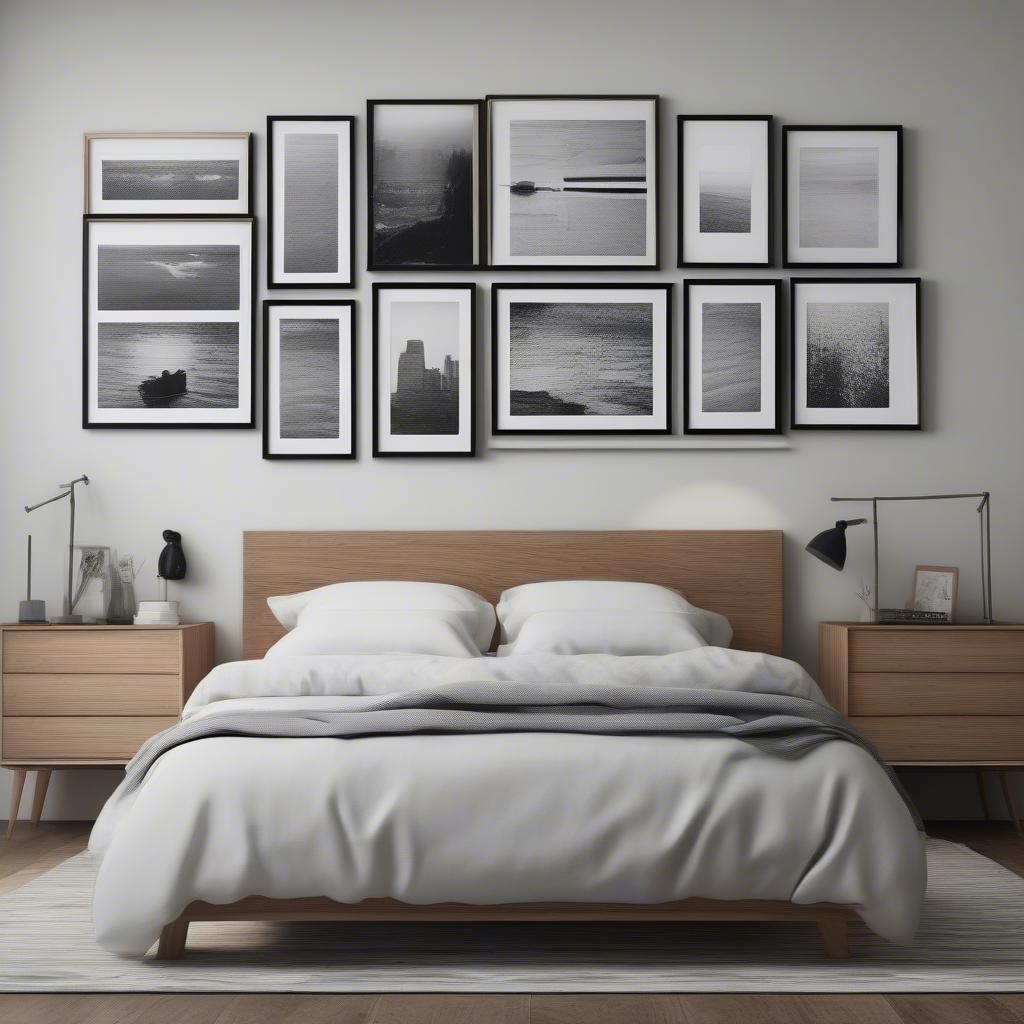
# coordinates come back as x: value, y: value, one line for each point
x: 501, y: 817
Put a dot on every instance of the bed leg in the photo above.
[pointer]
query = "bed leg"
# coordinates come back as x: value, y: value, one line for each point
x: 172, y: 940
x: 834, y: 937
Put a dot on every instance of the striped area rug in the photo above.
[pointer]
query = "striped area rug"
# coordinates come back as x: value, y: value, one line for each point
x: 971, y: 940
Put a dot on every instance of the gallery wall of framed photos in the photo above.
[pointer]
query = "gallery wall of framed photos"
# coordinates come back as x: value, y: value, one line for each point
x: 520, y: 187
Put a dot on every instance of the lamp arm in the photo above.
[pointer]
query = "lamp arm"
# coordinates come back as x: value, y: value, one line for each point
x: 56, y: 497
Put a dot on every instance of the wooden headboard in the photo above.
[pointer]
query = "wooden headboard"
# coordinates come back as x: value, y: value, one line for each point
x: 735, y: 572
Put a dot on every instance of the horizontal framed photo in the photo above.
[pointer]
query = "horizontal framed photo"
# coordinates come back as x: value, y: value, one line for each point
x: 310, y: 201
x: 424, y: 376
x: 732, y: 370
x: 856, y: 353
x: 309, y: 362
x: 725, y: 174
x: 581, y: 359
x: 168, y: 323
x: 573, y: 182
x: 842, y: 195
x: 168, y: 174
x: 425, y: 184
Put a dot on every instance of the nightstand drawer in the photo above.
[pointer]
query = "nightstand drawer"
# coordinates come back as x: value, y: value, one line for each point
x: 891, y: 649
x: 69, y: 739
x: 936, y: 693
x: 69, y: 694
x: 92, y: 651
x: 945, y: 740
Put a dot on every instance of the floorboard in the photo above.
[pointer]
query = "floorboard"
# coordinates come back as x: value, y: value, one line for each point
x: 452, y: 1009
x: 952, y: 1009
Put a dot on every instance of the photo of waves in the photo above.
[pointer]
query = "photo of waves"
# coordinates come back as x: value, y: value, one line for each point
x: 169, y: 276
x: 731, y: 356
x: 847, y: 355
x: 839, y: 197
x: 170, y: 179
x: 309, y: 368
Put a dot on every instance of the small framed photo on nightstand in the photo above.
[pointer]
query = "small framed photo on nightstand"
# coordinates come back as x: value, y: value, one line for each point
x: 935, y: 589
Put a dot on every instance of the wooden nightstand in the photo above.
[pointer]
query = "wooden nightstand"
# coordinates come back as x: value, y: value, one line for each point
x: 931, y: 696
x: 88, y: 696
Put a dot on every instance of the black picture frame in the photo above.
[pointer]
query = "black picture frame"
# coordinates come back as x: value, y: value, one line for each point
x: 570, y: 268
x: 353, y: 389
x: 468, y: 286
x: 481, y: 196
x: 769, y: 261
x: 351, y: 169
x: 789, y: 263
x: 498, y: 287
x: 794, y: 284
x: 774, y: 283
x: 87, y: 422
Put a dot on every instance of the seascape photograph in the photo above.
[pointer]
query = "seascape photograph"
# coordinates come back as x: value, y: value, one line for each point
x: 424, y: 185
x: 839, y: 197
x: 189, y: 277
x: 731, y: 357
x: 309, y: 373
x: 726, y: 178
x: 423, y: 364
x: 151, y: 180
x: 847, y: 355
x: 311, y: 175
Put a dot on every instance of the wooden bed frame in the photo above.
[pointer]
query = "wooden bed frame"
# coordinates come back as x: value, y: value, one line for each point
x: 735, y: 572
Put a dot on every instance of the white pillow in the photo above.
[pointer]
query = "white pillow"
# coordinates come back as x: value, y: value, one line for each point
x: 605, y: 631
x: 518, y: 604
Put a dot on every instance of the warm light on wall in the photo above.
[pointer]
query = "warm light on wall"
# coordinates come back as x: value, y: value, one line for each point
x: 709, y: 505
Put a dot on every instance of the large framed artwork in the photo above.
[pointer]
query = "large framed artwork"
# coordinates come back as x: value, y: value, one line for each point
x: 168, y: 323
x: 581, y: 359
x: 573, y: 182
x: 842, y: 195
x: 425, y: 184
x: 856, y: 353
x: 424, y: 377
x: 310, y: 201
x: 309, y: 362
x: 725, y: 174
x: 732, y: 369
x: 168, y: 174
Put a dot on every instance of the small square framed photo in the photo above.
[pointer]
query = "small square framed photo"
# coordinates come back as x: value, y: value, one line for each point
x: 725, y: 174
x: 309, y: 362
x: 573, y: 182
x: 581, y: 359
x: 310, y: 201
x: 842, y: 195
x: 855, y: 353
x: 935, y: 589
x: 425, y: 184
x: 168, y: 174
x: 732, y: 369
x: 424, y: 376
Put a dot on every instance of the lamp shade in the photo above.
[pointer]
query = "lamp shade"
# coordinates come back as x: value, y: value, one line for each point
x: 830, y: 546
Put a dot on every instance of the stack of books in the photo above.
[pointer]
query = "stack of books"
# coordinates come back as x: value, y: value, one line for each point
x: 913, y: 616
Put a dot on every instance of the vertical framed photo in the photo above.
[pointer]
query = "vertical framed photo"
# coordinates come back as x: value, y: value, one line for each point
x: 309, y: 362
x: 856, y: 353
x: 310, y: 201
x: 581, y: 359
x: 168, y: 174
x: 842, y: 195
x: 732, y: 369
x: 425, y: 184
x: 168, y: 323
x: 725, y: 174
x: 573, y: 182
x: 935, y: 589
x: 424, y: 377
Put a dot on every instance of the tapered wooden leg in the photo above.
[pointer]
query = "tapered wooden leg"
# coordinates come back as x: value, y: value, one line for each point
x: 39, y: 794
x: 980, y: 776
x: 172, y: 940
x: 17, y: 788
x: 834, y: 937
x: 1011, y: 806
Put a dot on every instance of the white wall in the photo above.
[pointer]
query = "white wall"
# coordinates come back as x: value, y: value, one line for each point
x: 949, y: 71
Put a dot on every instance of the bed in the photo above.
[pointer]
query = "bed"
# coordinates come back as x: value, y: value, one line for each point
x: 873, y: 861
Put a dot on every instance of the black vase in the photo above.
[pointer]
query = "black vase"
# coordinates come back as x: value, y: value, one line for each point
x: 171, y: 565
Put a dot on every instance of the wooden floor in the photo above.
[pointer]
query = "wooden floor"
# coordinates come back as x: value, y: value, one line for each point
x: 30, y: 852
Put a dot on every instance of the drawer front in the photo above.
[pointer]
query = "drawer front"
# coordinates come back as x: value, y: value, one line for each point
x: 96, y: 651
x: 71, y: 739
x: 55, y: 694
x: 924, y: 650
x: 945, y: 739
x: 936, y: 693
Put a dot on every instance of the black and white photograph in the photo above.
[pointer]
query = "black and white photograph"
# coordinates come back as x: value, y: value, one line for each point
x: 168, y: 329
x: 724, y: 203
x: 856, y: 353
x: 135, y: 174
x: 842, y: 195
x: 580, y: 359
x: 309, y: 379
x: 424, y: 184
x: 935, y: 589
x: 731, y: 364
x: 423, y: 369
x: 573, y: 182
x: 310, y: 201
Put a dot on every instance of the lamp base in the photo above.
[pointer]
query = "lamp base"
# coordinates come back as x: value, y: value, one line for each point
x: 67, y: 620
x: 31, y: 611
x: 157, y: 613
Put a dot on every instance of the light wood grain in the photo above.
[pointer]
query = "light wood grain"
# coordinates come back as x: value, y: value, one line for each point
x: 196, y: 645
x: 945, y: 739
x: 17, y: 788
x: 737, y: 573
x: 39, y: 794
x: 91, y: 651
x: 56, y: 739
x: 936, y: 693
x: 834, y: 664
x: 936, y: 649
x: 69, y: 694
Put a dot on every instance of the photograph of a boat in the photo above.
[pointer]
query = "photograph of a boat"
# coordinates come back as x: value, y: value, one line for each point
x: 164, y: 387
